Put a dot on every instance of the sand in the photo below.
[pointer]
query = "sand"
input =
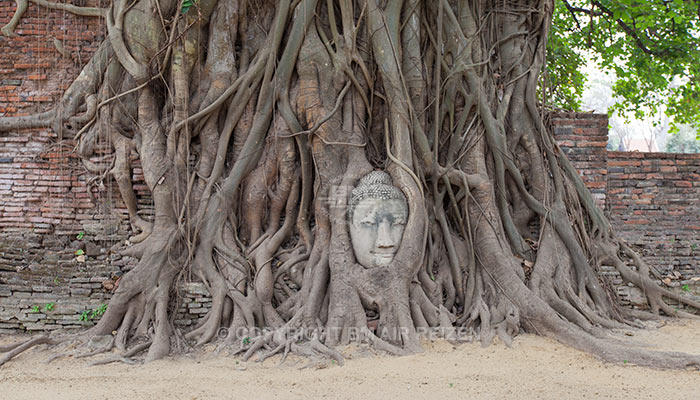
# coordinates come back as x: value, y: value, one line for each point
x: 534, y: 368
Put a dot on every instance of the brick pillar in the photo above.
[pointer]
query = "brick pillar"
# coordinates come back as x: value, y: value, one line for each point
x: 584, y: 137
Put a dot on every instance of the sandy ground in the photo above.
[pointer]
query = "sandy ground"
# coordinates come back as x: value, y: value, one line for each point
x: 534, y: 368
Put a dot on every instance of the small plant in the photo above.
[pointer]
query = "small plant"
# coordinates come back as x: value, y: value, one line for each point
x: 88, y: 315
x: 35, y: 309
x: 49, y: 306
x: 694, y: 246
x: 685, y: 288
x: 246, y: 340
x: 80, y: 235
x: 55, y: 280
x: 79, y: 252
x: 98, y: 311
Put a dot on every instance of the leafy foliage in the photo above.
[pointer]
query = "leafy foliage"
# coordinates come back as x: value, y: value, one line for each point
x: 564, y: 81
x: 685, y: 140
x: 652, y: 46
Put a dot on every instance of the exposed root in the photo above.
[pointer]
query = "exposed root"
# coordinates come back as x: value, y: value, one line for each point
x: 114, y: 359
x: 16, y: 349
x: 104, y: 349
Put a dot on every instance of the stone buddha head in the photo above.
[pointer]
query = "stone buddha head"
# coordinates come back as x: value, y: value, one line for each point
x: 377, y: 215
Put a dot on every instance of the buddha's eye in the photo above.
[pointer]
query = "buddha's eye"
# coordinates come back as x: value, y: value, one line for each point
x: 398, y: 221
x: 368, y: 224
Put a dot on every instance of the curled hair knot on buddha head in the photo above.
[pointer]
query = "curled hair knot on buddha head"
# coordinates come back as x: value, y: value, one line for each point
x: 374, y: 185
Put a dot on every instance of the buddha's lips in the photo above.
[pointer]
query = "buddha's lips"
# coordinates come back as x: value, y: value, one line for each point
x: 384, y: 253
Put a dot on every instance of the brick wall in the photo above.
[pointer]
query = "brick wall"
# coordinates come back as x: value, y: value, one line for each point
x: 43, y: 187
x: 33, y: 73
x: 653, y: 200
x: 45, y: 199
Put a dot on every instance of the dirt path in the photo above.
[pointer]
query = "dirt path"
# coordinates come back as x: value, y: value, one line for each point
x: 533, y: 368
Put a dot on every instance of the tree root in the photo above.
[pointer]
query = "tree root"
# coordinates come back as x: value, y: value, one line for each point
x: 16, y: 349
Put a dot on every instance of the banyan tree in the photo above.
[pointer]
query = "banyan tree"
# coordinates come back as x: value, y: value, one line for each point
x: 344, y: 170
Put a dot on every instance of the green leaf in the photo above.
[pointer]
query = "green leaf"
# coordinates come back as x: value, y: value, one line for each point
x: 49, y: 306
x: 79, y: 252
x: 186, y: 5
x: 80, y: 235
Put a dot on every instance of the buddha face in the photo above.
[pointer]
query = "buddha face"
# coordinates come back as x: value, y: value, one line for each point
x: 376, y: 230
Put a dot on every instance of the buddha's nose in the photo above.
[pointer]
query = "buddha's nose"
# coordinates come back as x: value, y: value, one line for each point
x: 384, y: 239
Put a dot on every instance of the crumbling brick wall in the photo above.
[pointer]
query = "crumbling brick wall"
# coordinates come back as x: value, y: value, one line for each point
x: 653, y: 200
